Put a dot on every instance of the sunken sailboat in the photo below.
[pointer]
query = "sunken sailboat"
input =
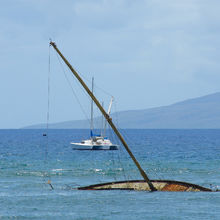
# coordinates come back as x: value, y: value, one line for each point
x: 143, y: 185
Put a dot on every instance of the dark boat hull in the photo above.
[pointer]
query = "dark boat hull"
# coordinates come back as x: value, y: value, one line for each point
x: 141, y: 185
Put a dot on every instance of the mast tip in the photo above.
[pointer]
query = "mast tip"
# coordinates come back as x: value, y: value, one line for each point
x: 52, y: 43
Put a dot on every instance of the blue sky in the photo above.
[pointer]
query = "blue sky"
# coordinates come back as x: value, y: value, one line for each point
x: 145, y: 53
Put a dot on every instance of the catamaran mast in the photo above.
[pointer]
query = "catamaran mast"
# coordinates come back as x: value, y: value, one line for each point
x: 144, y: 175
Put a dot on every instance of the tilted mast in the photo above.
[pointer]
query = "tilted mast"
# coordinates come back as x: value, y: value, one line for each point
x: 109, y: 120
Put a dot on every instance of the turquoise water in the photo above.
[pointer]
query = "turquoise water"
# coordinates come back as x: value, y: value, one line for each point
x: 184, y: 155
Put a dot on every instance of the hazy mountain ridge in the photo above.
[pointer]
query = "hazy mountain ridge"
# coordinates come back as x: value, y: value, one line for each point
x: 202, y: 112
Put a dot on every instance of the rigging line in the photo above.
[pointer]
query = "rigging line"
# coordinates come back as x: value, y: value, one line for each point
x: 95, y: 86
x: 111, y: 134
x: 122, y: 165
x: 113, y: 137
x: 116, y: 113
x: 80, y: 87
x: 78, y: 84
x: 128, y: 140
x: 116, y: 139
x: 116, y: 120
x: 48, y: 107
x: 107, y: 93
x: 97, y: 120
x: 89, y: 81
x: 72, y: 89
x: 114, y: 169
x: 46, y: 174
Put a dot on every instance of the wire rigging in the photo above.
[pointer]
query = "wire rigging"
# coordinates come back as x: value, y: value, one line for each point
x: 90, y: 82
x: 74, y: 96
x: 73, y: 92
x: 95, y: 85
x: 47, y: 174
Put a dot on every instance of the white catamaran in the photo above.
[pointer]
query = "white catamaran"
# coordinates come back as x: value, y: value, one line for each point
x: 146, y: 184
x: 96, y: 141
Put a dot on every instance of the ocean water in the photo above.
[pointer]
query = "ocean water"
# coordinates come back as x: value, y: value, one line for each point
x: 28, y: 159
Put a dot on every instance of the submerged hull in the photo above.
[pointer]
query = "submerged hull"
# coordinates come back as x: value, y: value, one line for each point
x: 141, y: 185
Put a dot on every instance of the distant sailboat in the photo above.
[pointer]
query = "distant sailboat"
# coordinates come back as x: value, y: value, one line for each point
x: 96, y: 141
x: 146, y: 184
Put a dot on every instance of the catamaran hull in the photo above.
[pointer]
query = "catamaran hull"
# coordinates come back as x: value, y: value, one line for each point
x: 81, y: 147
x: 103, y: 147
x: 94, y: 147
x: 141, y: 185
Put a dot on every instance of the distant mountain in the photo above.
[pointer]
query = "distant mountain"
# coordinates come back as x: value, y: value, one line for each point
x: 202, y: 112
